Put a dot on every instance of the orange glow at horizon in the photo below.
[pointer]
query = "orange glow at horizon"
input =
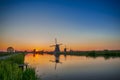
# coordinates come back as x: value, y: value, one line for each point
x: 46, y: 47
x: 44, y: 44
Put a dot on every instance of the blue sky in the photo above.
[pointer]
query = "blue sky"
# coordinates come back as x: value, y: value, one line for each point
x: 79, y: 24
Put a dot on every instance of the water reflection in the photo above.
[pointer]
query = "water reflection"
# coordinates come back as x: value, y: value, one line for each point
x: 34, y: 55
x: 74, y: 68
x: 65, y: 55
x: 57, y: 60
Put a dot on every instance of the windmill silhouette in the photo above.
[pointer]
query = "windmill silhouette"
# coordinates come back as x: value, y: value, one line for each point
x: 65, y: 49
x: 56, y: 53
x: 57, y: 47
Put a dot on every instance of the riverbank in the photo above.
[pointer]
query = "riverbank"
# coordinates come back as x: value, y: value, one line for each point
x: 9, y: 69
x: 106, y: 54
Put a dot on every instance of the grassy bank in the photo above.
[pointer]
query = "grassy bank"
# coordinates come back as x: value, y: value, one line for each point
x: 9, y: 69
x: 94, y: 54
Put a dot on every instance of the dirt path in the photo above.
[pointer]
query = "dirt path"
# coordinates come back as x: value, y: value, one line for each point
x: 5, y: 57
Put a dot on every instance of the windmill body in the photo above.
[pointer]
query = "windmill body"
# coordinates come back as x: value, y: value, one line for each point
x: 57, y: 48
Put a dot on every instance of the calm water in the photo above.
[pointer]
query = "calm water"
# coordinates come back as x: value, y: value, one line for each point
x: 48, y: 67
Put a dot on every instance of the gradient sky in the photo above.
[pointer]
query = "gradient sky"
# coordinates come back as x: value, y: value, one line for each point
x: 78, y: 24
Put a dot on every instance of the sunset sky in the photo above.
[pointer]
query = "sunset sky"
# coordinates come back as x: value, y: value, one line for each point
x: 78, y: 24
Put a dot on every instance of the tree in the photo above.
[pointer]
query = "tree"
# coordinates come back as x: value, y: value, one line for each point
x: 10, y: 49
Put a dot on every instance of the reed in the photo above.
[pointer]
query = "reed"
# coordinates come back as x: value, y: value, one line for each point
x: 9, y: 69
x: 29, y: 74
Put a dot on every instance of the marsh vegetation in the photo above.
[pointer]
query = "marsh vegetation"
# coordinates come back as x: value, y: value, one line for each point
x: 9, y: 69
x: 106, y: 54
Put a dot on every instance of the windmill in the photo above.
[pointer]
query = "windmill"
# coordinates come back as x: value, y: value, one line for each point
x: 57, y: 47
x: 65, y: 49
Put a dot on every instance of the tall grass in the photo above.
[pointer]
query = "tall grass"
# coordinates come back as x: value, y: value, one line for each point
x: 9, y: 69
x: 29, y: 74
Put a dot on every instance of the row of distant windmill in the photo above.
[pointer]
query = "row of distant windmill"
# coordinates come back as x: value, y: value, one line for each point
x: 57, y: 48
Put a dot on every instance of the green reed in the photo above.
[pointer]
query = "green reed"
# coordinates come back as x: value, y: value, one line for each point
x: 9, y: 69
